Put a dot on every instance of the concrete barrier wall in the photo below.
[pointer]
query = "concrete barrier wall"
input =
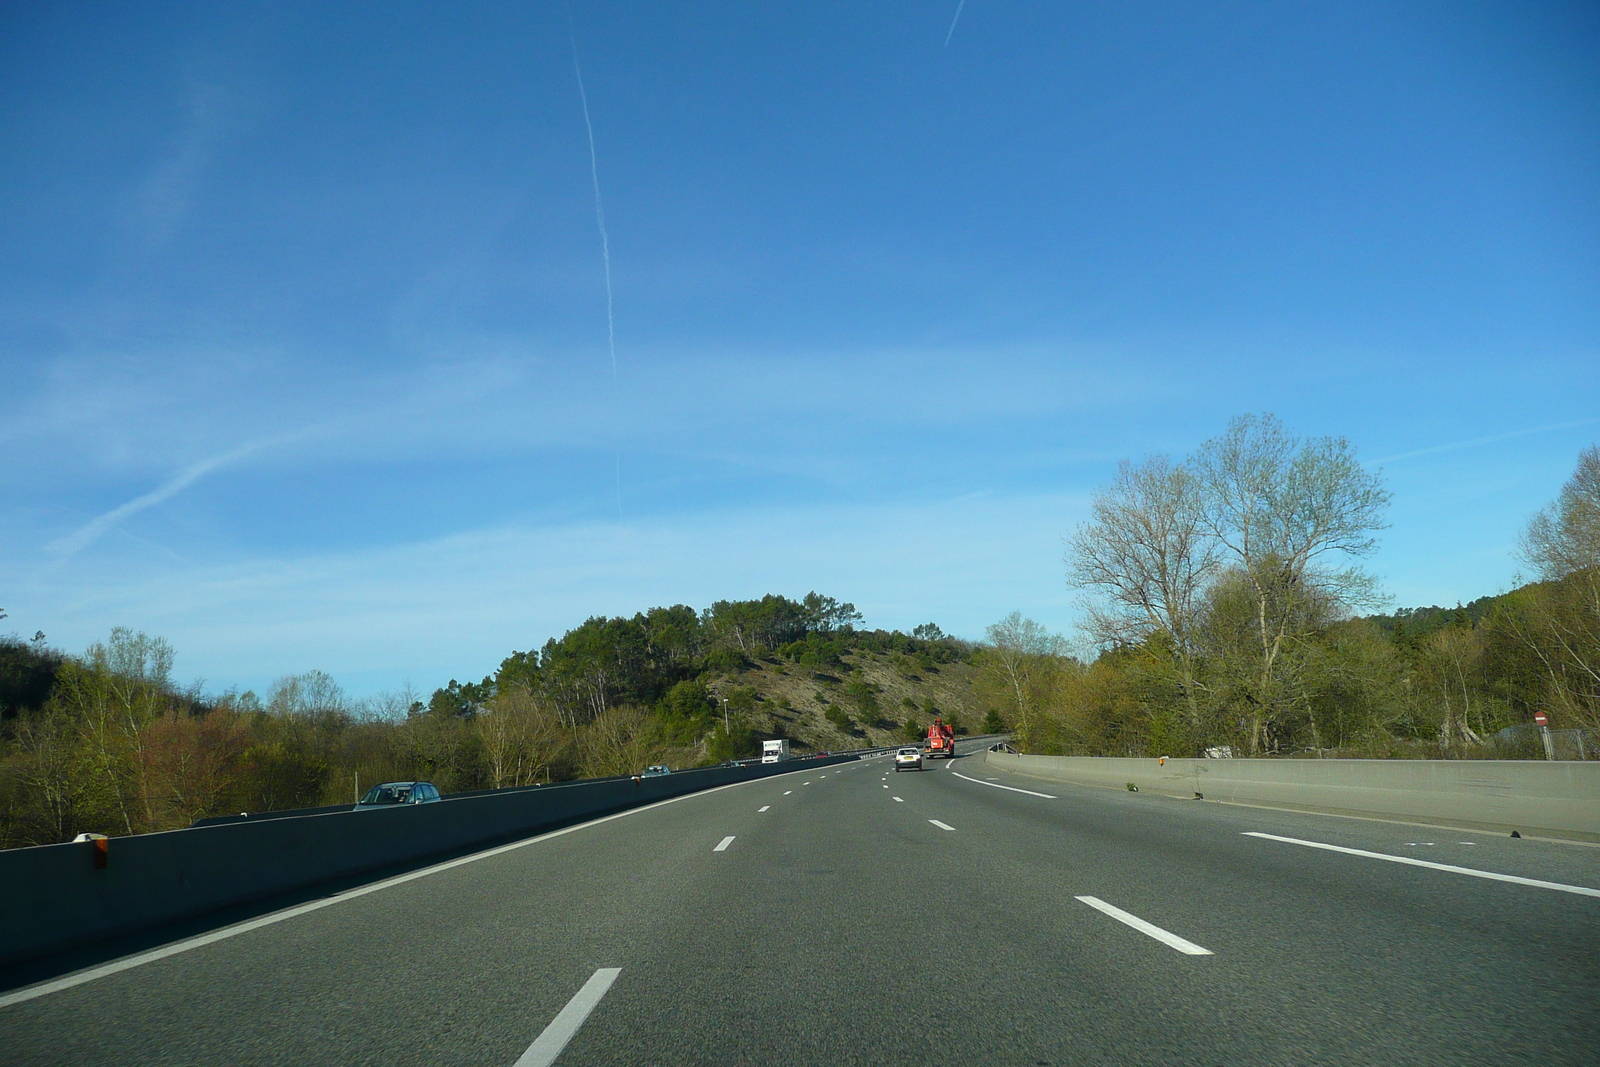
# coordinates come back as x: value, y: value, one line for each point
x: 54, y: 897
x: 1547, y: 799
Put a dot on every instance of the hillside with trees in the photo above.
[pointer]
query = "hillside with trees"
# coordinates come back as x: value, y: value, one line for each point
x: 107, y: 743
x: 1223, y: 600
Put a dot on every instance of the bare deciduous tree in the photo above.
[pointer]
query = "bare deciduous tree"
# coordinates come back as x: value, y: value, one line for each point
x: 1025, y: 655
x: 1283, y: 509
x: 1146, y: 558
x: 521, y: 733
x: 1564, y: 538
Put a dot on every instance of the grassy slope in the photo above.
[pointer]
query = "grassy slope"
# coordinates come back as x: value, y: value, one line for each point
x: 809, y: 694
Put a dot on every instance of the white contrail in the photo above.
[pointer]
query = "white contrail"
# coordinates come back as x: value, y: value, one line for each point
x: 94, y: 529
x: 1454, y: 445
x: 599, y: 210
x: 605, y: 239
x: 961, y: 4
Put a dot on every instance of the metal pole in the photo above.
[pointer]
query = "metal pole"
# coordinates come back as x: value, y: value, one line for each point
x: 1549, y: 745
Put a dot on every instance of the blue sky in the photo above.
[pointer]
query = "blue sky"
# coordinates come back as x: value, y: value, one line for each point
x: 303, y: 317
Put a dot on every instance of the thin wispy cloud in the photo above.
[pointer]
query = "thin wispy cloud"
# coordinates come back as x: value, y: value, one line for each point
x: 961, y: 4
x: 65, y: 548
x: 1491, y: 439
x: 166, y: 194
x: 460, y: 602
x: 605, y: 246
x: 599, y: 210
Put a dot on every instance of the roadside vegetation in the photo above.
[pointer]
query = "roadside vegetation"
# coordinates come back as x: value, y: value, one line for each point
x: 106, y: 742
x: 1224, y: 599
x: 1224, y: 607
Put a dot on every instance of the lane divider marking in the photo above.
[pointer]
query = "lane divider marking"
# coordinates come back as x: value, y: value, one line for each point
x: 723, y: 845
x: 997, y: 785
x: 1580, y: 890
x: 786, y: 792
x: 762, y: 808
x: 897, y: 800
x: 941, y: 825
x: 1166, y: 937
x: 548, y: 1045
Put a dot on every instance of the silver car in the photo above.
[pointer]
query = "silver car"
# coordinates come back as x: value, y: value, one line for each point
x: 393, y: 794
x: 908, y: 758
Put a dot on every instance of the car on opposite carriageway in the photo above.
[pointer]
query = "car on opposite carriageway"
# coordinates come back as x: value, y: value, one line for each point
x: 394, y: 794
x: 908, y: 757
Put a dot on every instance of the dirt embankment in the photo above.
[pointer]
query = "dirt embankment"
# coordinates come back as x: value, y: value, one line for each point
x: 869, y: 692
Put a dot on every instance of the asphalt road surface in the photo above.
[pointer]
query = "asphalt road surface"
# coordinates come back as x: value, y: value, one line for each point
x: 857, y: 915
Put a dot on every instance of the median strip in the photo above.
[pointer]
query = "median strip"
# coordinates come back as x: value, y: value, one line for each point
x: 1166, y: 937
x: 1536, y: 883
x: 548, y: 1045
x: 127, y: 963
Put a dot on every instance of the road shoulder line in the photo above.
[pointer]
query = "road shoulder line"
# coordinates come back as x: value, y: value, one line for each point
x: 997, y: 785
x: 1492, y: 876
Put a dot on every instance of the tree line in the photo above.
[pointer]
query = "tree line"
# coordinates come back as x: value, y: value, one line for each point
x: 107, y: 742
x: 1223, y: 602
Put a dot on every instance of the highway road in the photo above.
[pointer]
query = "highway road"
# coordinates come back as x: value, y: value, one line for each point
x: 854, y: 915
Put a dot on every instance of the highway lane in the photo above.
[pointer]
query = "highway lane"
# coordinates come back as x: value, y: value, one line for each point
x: 840, y: 925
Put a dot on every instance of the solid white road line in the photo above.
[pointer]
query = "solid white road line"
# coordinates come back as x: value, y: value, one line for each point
x: 548, y: 1045
x: 762, y: 808
x: 941, y: 825
x: 1188, y: 948
x: 722, y: 847
x: 897, y: 800
x: 128, y: 963
x: 997, y: 785
x: 1559, y: 887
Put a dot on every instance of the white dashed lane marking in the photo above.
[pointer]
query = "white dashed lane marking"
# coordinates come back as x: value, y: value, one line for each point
x: 897, y: 800
x: 548, y: 1045
x: 1166, y: 937
x: 762, y: 808
x: 941, y: 825
x: 723, y: 846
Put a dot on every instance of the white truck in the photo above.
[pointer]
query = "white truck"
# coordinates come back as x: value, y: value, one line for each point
x: 774, y: 751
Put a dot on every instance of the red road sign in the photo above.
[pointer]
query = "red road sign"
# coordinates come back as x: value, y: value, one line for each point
x: 1539, y: 718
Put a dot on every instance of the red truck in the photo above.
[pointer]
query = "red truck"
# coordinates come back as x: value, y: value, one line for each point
x: 941, y: 743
